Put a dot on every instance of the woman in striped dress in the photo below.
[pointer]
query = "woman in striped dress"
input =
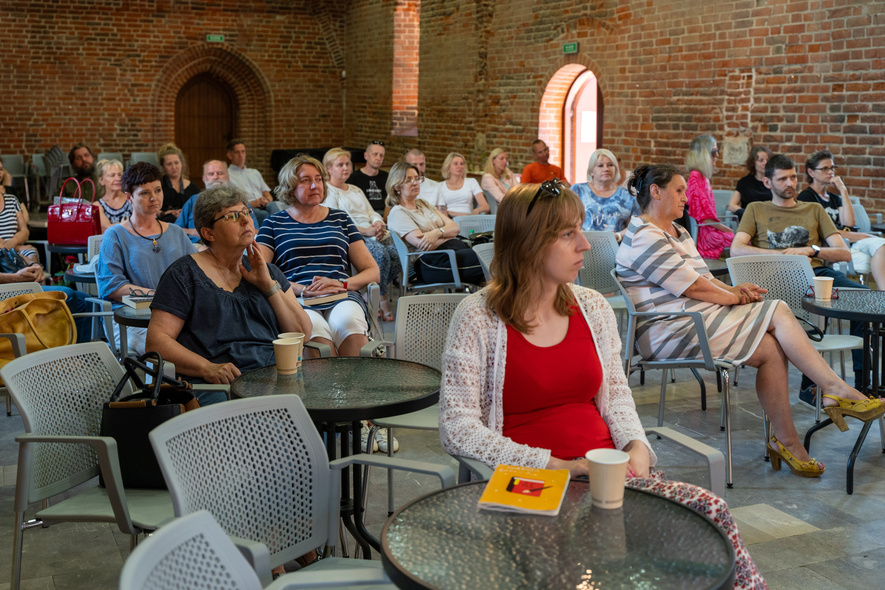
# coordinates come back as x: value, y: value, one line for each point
x: 315, y: 247
x: 663, y: 271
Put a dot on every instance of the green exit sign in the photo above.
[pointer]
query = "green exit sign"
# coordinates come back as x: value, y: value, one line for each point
x: 215, y: 38
x: 570, y: 48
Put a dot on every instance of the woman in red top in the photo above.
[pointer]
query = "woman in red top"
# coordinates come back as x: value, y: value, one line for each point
x: 532, y: 374
x: 713, y: 236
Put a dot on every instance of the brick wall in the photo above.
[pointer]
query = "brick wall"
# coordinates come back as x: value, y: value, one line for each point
x: 797, y: 76
x: 108, y: 72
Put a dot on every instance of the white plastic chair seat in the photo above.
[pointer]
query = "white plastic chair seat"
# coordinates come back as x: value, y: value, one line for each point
x: 426, y: 419
x: 837, y: 342
x: 148, y: 509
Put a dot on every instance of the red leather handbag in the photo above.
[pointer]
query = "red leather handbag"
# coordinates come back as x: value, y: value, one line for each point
x: 73, y: 222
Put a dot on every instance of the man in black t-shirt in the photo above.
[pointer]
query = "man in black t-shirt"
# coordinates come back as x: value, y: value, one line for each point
x: 370, y: 178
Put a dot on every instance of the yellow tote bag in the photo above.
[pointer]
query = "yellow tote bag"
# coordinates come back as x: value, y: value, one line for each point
x: 44, y: 319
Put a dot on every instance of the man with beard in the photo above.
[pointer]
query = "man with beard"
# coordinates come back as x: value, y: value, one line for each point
x: 787, y: 226
x: 83, y: 165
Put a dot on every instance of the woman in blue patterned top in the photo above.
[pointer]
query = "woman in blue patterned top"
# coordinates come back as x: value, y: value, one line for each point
x: 607, y: 206
x: 315, y: 247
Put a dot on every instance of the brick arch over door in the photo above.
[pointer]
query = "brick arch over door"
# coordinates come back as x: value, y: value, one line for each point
x: 252, y: 90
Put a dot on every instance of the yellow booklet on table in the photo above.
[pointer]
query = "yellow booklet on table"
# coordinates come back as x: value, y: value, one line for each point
x: 525, y: 490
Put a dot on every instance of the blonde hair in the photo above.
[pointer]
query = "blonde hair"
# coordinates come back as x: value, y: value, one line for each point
x: 288, y: 177
x: 335, y: 153
x: 594, y: 158
x: 698, y: 157
x: 521, y: 244
x: 103, y: 166
x: 170, y: 149
x: 507, y: 175
x: 395, y: 178
x: 447, y: 164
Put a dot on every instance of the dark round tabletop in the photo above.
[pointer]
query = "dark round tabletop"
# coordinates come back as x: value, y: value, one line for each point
x: 443, y: 540
x: 128, y: 316
x: 860, y: 305
x: 349, y: 388
x: 76, y: 277
x: 67, y: 248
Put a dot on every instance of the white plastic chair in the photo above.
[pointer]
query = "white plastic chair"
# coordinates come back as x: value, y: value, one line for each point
x: 422, y: 325
x: 492, y: 201
x: 485, y: 253
x: 149, y: 157
x: 707, y: 362
x: 259, y: 467
x: 60, y: 393
x: 194, y: 552
x: 599, y: 260
x: 407, y: 284
x: 470, y: 224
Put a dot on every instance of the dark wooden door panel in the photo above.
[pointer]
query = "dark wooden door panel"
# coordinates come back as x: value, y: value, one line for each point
x: 205, y: 120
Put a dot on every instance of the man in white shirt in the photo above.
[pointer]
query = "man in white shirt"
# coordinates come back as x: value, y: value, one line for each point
x: 251, y: 181
x: 429, y: 188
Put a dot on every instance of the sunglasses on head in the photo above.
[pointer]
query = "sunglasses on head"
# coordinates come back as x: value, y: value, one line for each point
x: 550, y: 188
x: 378, y: 142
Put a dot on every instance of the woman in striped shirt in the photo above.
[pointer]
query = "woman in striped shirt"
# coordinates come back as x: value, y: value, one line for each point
x: 315, y: 247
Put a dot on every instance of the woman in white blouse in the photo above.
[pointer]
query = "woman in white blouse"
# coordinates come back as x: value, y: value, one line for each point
x: 457, y: 193
x: 351, y: 200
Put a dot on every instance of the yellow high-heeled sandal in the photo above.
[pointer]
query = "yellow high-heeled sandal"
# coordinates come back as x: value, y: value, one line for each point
x: 801, y: 468
x: 864, y: 410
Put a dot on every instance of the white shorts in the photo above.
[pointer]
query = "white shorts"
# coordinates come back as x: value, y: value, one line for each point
x: 345, y: 319
x: 862, y: 252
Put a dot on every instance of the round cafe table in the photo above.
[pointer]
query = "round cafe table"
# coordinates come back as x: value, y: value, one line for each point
x: 443, y: 540
x: 858, y: 305
x: 127, y: 316
x: 347, y: 390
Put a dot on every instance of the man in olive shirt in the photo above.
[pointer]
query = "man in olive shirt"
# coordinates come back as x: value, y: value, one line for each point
x: 83, y: 166
x: 786, y: 226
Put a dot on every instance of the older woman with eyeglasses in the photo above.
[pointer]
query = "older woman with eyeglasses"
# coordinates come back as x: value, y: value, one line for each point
x: 217, y: 312
x: 424, y: 228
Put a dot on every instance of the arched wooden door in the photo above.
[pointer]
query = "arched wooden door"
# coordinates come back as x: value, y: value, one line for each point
x: 205, y: 120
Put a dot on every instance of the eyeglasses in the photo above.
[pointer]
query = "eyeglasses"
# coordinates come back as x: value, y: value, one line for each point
x: 378, y: 142
x: 234, y: 215
x: 413, y: 180
x: 551, y: 188
x: 826, y: 168
x: 141, y: 292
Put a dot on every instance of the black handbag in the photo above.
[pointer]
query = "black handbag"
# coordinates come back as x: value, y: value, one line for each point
x: 129, y: 420
x: 11, y: 261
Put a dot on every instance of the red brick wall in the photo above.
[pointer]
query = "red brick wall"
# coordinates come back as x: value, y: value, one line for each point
x: 797, y: 76
x: 107, y: 73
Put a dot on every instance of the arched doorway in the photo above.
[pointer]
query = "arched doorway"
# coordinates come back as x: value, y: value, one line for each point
x: 570, y: 119
x: 205, y: 120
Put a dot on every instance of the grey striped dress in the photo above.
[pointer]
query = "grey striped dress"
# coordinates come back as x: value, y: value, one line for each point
x: 657, y: 268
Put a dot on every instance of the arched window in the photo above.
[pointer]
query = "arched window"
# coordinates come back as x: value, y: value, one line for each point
x: 570, y: 119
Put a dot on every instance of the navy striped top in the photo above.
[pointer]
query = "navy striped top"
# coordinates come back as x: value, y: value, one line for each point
x: 307, y: 250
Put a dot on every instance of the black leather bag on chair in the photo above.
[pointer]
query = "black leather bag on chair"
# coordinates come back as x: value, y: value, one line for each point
x: 130, y: 420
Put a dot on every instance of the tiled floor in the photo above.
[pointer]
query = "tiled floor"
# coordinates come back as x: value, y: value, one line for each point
x: 803, y: 533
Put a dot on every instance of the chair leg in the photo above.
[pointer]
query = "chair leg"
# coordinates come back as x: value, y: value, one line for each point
x: 390, y: 501
x: 17, y: 538
x: 703, y: 388
x: 8, y: 404
x: 726, y: 395
x: 672, y: 375
x: 882, y: 432
x: 663, y: 397
x: 735, y: 382
x: 766, y: 430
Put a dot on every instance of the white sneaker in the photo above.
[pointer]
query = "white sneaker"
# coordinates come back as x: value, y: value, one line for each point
x: 381, y: 440
x: 364, y: 439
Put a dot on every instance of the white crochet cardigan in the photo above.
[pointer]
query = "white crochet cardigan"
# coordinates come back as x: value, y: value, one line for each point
x: 471, y: 408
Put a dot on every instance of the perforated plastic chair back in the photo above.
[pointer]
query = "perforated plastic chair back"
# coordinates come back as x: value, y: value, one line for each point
x: 485, y: 253
x: 15, y: 165
x: 599, y: 260
x: 786, y: 277
x: 110, y: 156
x: 861, y: 219
x: 10, y: 290
x: 492, y: 201
x: 61, y: 391
x: 38, y: 164
x: 93, y: 246
x: 406, y: 261
x: 190, y: 552
x: 258, y: 466
x: 422, y: 324
x: 149, y: 157
x: 475, y: 223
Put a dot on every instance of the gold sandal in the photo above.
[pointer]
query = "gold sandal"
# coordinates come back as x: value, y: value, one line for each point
x: 864, y: 410
x: 801, y: 468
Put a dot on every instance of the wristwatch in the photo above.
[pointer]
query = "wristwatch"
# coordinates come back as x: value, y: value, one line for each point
x: 816, y: 251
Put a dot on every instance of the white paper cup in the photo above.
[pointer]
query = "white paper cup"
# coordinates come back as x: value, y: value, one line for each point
x: 823, y: 288
x: 286, y: 352
x: 296, y: 336
x: 608, y: 472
